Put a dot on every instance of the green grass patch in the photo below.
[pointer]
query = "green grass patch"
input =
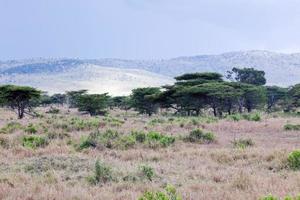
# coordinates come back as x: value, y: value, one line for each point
x: 34, y: 141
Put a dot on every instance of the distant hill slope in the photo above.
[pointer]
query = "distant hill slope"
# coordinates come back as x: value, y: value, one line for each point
x: 119, y: 76
x: 96, y: 79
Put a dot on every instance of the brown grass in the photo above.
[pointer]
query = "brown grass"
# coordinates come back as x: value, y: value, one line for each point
x: 199, y: 171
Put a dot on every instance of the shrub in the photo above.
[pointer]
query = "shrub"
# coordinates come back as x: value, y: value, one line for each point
x: 108, y: 138
x: 34, y: 141
x: 292, y: 127
x: 269, y: 197
x: 243, y: 143
x: 200, y: 136
x: 294, y: 160
x: 170, y: 193
x: 86, y: 124
x: 139, y: 136
x: 53, y: 111
x: 11, y: 127
x: 235, y: 117
x: 156, y: 139
x: 157, y: 121
x: 31, y: 129
x: 125, y: 142
x: 147, y: 172
x: 4, y: 142
x: 252, y: 117
x: 86, y: 142
x: 59, y: 135
x: 102, y: 174
x: 255, y: 117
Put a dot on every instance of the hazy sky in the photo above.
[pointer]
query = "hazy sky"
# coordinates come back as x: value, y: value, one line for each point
x: 145, y: 28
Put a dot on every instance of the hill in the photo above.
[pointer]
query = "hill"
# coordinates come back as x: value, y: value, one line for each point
x: 119, y: 76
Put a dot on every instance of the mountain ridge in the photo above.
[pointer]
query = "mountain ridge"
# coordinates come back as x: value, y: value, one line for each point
x: 281, y: 69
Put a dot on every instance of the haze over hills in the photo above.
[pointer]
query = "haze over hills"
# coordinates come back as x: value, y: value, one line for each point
x: 120, y: 76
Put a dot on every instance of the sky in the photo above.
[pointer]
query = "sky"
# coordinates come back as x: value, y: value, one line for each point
x: 145, y: 29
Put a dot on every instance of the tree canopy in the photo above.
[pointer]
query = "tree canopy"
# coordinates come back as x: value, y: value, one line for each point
x: 19, y: 98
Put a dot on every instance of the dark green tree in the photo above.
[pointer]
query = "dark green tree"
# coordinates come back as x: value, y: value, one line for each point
x: 59, y: 99
x: 20, y: 99
x: 276, y: 95
x: 144, y: 100
x: 192, y: 79
x: 294, y: 94
x: 254, y: 97
x: 247, y: 75
x: 73, y: 97
x: 94, y: 104
x: 121, y: 102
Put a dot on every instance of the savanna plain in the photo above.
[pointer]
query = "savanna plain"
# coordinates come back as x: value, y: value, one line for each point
x: 64, y: 154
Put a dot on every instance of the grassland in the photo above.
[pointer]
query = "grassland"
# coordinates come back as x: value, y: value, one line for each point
x: 53, y: 156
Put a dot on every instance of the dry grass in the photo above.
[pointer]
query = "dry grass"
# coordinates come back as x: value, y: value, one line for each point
x: 199, y: 171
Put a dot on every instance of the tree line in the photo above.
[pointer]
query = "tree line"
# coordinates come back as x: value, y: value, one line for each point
x: 192, y: 94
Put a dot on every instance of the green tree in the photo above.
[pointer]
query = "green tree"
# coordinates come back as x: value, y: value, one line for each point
x: 294, y: 94
x: 275, y: 95
x: 121, y: 102
x: 73, y: 97
x: 144, y: 100
x: 94, y: 104
x: 192, y: 79
x: 58, y: 99
x: 218, y: 96
x: 254, y: 97
x: 247, y: 75
x: 21, y: 99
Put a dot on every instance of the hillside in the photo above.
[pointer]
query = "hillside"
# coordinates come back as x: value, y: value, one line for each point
x: 119, y: 76
x: 96, y: 79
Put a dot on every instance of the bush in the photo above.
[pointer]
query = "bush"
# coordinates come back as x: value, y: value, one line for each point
x: 86, y: 124
x: 156, y: 139
x: 147, y: 172
x: 31, y: 129
x: 86, y: 142
x: 34, y: 141
x: 252, y: 117
x: 53, y: 111
x: 139, y: 136
x: 269, y: 197
x: 59, y: 135
x: 157, y: 121
x: 4, y: 142
x: 235, y: 117
x: 243, y: 143
x: 102, y: 174
x: 200, y: 136
x: 11, y: 127
x: 292, y: 127
x: 125, y: 142
x: 170, y: 193
x: 294, y: 160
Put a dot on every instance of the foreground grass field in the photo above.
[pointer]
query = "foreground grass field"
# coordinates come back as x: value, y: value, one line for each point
x: 54, y: 156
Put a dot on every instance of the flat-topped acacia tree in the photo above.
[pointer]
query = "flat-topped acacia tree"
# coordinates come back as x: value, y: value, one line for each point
x: 20, y: 99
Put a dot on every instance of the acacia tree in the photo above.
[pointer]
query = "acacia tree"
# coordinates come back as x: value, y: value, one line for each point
x: 94, y: 104
x: 121, y: 102
x: 247, y: 75
x: 254, y: 96
x: 294, y: 94
x: 73, y: 97
x: 20, y: 99
x: 182, y: 96
x: 275, y: 95
x: 144, y: 100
